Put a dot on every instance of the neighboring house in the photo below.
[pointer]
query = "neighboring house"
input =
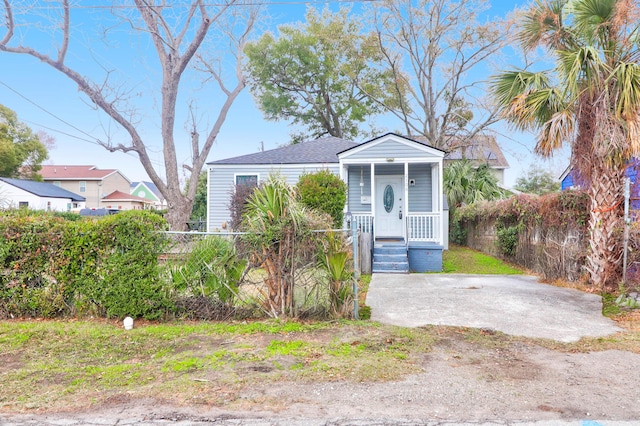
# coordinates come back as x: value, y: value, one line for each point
x: 394, y: 190
x: 19, y: 193
x: 481, y: 149
x: 567, y: 180
x: 88, y: 181
x: 149, y: 191
x: 571, y: 180
x: 125, y: 201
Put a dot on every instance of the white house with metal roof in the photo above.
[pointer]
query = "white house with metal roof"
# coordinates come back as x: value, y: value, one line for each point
x: 19, y: 193
x: 394, y: 192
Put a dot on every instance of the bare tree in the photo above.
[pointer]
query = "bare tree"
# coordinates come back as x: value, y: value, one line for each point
x: 178, y: 39
x: 433, y: 47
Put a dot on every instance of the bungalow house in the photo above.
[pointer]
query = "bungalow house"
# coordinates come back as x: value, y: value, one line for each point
x: 86, y: 181
x: 394, y: 192
x: 19, y: 193
x: 119, y: 200
x: 150, y: 191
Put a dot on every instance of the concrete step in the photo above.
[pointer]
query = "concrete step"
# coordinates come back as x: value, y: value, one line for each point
x: 393, y: 267
x: 400, y: 257
x: 390, y: 250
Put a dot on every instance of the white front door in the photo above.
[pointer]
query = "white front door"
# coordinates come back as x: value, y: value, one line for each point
x: 389, y: 215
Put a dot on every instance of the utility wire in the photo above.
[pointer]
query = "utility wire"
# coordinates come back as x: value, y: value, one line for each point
x: 92, y: 140
x: 235, y: 4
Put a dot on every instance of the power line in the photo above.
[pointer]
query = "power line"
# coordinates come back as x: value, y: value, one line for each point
x: 235, y: 4
x: 50, y: 113
x: 93, y: 140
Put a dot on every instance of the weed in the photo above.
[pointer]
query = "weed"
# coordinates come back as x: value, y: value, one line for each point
x: 294, y: 348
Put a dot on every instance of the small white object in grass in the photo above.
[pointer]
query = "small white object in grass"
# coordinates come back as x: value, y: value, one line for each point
x: 128, y: 323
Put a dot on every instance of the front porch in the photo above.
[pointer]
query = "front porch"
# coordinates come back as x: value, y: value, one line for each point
x: 395, y: 194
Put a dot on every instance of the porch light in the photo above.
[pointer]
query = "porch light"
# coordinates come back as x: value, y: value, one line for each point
x: 348, y: 216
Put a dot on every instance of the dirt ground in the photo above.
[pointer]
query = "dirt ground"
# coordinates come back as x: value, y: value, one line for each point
x: 460, y: 381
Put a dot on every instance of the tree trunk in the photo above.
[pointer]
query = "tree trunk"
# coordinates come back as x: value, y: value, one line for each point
x: 178, y: 212
x: 605, y: 220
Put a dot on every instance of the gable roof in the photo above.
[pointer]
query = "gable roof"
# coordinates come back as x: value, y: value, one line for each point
x: 481, y: 148
x: 317, y: 151
x: 42, y: 189
x: 123, y: 196
x: 396, y: 137
x: 150, y: 186
x: 55, y: 172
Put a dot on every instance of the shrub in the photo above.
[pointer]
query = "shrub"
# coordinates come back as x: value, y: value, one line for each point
x: 129, y: 275
x: 508, y: 239
x: 50, y: 266
x: 212, y: 269
x: 237, y: 203
x: 325, y: 192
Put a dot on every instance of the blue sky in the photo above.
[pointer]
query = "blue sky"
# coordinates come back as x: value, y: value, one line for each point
x: 46, y: 100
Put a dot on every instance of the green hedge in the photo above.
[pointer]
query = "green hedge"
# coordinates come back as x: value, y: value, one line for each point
x: 53, y: 266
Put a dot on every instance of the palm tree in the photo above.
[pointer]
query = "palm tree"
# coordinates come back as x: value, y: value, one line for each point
x: 591, y: 100
x: 466, y: 183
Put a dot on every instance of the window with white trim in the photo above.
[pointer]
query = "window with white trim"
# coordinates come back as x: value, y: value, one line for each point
x: 83, y: 186
x: 248, y: 180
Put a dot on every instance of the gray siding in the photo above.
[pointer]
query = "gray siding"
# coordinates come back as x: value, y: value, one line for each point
x: 353, y: 198
x: 389, y: 149
x: 221, y: 183
x: 420, y: 199
x: 389, y: 169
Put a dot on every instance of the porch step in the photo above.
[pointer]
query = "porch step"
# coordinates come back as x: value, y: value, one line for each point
x: 390, y: 258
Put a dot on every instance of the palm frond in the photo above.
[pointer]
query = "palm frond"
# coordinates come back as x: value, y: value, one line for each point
x: 627, y: 83
x: 556, y: 131
x: 581, y: 69
x: 542, y: 25
x: 515, y: 91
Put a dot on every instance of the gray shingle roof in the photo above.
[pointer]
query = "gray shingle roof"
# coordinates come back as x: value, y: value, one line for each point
x: 318, y: 151
x: 42, y: 189
x: 482, y: 148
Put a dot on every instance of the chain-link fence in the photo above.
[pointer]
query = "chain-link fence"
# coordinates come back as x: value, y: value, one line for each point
x: 227, y: 275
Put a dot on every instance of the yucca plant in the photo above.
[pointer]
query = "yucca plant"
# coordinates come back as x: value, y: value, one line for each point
x: 273, y: 220
x: 212, y: 269
x: 335, y: 260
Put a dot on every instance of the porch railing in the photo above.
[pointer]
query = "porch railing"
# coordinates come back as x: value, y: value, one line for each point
x: 423, y: 227
x: 364, y: 222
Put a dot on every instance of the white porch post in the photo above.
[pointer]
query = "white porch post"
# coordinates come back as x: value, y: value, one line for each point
x: 435, y: 187
x: 373, y: 199
x: 440, y: 201
x: 344, y: 175
x: 405, y: 207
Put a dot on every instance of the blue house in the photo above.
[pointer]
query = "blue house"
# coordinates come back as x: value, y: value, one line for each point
x: 394, y: 192
x: 571, y: 180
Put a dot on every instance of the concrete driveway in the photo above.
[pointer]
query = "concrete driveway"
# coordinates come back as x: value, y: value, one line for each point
x: 513, y: 304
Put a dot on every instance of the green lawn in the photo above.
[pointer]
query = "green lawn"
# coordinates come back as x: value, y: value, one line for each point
x: 463, y: 260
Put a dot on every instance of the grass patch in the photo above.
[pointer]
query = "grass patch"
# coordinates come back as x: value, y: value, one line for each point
x: 72, y: 364
x: 58, y: 365
x: 463, y: 260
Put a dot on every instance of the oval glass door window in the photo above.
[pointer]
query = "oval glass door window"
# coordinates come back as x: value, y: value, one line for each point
x: 388, y: 198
